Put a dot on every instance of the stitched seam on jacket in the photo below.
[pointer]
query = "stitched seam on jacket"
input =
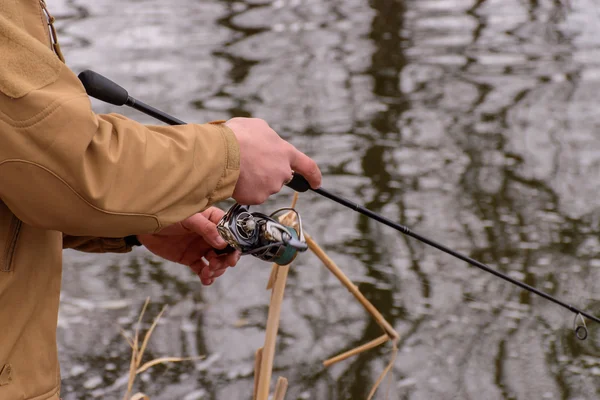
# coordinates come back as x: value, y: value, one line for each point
x: 222, y: 178
x: 40, y: 116
x: 54, y: 391
x: 80, y: 196
x: 9, y: 120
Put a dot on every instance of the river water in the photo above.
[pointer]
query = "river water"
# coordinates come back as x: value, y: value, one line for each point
x: 474, y: 122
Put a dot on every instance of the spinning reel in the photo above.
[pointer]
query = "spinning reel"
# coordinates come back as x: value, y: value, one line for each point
x: 262, y: 235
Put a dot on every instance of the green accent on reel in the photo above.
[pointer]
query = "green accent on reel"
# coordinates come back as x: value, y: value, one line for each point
x: 289, y: 253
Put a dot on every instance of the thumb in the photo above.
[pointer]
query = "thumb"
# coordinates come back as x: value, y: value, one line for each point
x: 204, y: 227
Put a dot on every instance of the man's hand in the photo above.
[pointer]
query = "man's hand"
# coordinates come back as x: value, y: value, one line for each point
x: 191, y: 240
x: 267, y: 161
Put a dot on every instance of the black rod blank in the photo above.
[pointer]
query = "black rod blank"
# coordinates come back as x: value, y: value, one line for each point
x: 106, y: 90
x: 403, y: 229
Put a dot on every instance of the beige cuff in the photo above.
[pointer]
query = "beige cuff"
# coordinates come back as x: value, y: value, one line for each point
x: 231, y: 173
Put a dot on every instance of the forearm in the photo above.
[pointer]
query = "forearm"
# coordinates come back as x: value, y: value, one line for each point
x: 64, y: 168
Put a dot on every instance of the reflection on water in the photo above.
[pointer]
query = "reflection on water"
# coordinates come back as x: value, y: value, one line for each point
x: 474, y: 122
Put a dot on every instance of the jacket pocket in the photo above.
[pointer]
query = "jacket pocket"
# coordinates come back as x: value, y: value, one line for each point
x: 26, y: 64
x: 10, y: 228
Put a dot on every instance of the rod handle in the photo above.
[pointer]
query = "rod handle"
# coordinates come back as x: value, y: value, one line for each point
x: 298, y: 183
x: 102, y: 88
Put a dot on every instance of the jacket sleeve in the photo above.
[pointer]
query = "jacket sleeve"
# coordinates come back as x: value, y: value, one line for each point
x: 64, y: 168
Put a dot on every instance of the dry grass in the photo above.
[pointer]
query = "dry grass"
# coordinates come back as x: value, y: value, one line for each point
x: 135, y: 366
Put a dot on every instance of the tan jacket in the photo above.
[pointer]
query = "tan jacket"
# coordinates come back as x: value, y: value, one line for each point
x: 71, y: 178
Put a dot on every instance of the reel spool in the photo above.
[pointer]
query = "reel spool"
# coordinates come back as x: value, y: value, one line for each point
x: 262, y: 235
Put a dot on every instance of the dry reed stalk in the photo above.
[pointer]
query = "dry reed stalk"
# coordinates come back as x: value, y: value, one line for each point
x: 280, y: 388
x: 277, y: 281
x: 390, y: 331
x: 361, y: 349
x: 387, y: 328
x: 268, y: 352
x: 273, y: 276
x: 257, y: 363
x: 264, y: 356
x: 137, y: 353
x: 385, y: 372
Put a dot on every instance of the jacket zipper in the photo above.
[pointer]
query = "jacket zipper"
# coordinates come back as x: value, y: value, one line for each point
x: 11, y: 244
x: 52, y: 31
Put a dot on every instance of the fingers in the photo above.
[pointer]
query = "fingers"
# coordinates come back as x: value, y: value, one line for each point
x: 307, y: 167
x: 266, y: 161
x: 216, y: 262
x: 206, y: 275
x: 213, y: 214
x: 201, y: 269
x: 215, y: 267
x: 219, y: 272
x: 206, y: 228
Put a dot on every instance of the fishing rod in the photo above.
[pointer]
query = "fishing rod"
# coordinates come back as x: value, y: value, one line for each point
x: 104, y: 89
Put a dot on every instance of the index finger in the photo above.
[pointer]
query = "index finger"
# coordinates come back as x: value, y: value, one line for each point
x: 307, y: 167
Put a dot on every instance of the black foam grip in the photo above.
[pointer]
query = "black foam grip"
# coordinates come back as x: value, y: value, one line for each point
x: 103, y: 88
x: 298, y: 183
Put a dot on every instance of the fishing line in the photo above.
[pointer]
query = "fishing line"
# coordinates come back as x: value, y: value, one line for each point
x: 104, y: 89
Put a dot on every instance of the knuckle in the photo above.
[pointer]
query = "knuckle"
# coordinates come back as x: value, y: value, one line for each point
x: 265, y: 193
x: 290, y: 149
x: 256, y: 198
